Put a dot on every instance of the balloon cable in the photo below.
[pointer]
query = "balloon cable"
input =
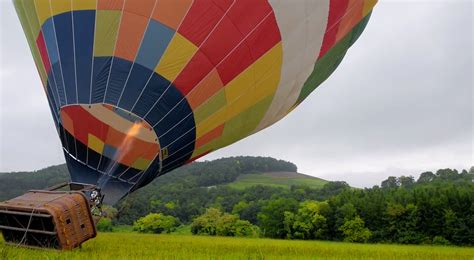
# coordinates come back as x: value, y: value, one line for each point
x: 27, y: 228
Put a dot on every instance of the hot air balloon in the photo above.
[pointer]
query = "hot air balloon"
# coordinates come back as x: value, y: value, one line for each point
x: 139, y: 88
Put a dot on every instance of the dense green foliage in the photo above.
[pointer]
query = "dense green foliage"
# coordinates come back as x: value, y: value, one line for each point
x: 309, y: 222
x: 156, y: 223
x: 188, y: 202
x: 187, y: 192
x: 197, y: 174
x: 434, y: 210
x: 105, y: 225
x: 441, y: 208
x: 354, y: 230
x: 438, y: 208
x: 16, y: 183
x: 214, y: 222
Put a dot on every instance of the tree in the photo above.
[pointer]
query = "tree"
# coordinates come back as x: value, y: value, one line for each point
x: 447, y: 174
x: 156, y: 223
x: 345, y: 213
x: 309, y: 222
x: 226, y: 224
x: 426, y: 177
x: 272, y: 216
x: 247, y: 211
x: 207, y: 222
x: 214, y: 222
x: 240, y: 207
x: 355, y: 231
x: 456, y: 230
x: 406, y: 181
x: 390, y: 182
x: 334, y: 187
x: 403, y: 224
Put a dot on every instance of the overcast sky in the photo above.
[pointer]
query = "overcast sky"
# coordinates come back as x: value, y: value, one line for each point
x: 400, y: 103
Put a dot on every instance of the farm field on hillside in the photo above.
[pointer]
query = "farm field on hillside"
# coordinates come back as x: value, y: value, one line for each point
x: 144, y: 246
x: 277, y: 179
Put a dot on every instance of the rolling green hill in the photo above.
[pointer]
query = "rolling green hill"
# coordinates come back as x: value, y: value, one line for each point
x: 277, y: 179
x: 233, y: 172
x: 187, y: 191
x: 14, y: 184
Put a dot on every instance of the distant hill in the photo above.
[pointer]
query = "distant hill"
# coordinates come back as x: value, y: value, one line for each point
x: 13, y: 184
x: 277, y: 179
x: 235, y: 172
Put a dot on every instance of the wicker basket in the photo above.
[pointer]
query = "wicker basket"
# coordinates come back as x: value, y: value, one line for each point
x: 52, y: 219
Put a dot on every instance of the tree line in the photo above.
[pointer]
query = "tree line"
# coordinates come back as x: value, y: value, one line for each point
x: 437, y: 208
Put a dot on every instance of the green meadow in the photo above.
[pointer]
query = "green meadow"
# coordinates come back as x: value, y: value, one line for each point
x: 277, y: 179
x: 149, y: 246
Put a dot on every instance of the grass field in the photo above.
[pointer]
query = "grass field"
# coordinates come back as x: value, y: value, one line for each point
x: 139, y: 246
x: 276, y: 179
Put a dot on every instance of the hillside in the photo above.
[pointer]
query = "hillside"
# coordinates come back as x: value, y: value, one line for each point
x: 13, y: 184
x: 277, y: 179
x: 234, y: 172
x: 189, y: 190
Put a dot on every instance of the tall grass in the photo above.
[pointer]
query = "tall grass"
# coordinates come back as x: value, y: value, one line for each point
x: 143, y: 246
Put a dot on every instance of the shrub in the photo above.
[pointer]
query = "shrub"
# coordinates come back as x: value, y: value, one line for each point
x: 206, y: 223
x: 355, y: 231
x: 243, y: 228
x: 156, y: 223
x: 439, y: 240
x: 213, y: 222
x: 104, y: 225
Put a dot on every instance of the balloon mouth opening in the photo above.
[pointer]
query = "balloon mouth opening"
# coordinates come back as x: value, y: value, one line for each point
x: 110, y: 140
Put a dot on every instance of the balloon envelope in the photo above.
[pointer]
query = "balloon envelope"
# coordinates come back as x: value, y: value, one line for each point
x: 139, y: 88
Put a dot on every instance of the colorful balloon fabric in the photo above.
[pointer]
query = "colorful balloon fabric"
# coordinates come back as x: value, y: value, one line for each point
x: 138, y: 88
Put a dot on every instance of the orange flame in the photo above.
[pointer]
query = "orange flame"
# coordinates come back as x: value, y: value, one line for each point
x: 125, y: 146
x: 128, y: 141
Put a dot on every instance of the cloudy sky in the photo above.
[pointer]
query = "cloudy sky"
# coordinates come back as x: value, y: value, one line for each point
x: 400, y: 103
